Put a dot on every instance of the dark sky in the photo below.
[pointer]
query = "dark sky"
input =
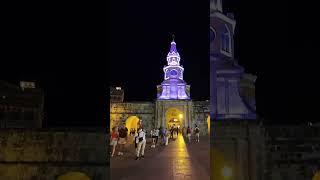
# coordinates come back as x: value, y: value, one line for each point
x: 76, y: 51
x: 139, y: 37
x: 278, y: 41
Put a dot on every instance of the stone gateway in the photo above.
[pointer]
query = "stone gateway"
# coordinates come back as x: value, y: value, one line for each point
x: 173, y: 107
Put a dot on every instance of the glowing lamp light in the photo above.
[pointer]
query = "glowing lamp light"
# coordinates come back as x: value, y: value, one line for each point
x: 175, y: 120
x: 118, y: 88
x: 226, y: 172
x: 180, y: 116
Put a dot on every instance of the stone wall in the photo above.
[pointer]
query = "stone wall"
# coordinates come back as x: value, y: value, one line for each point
x: 48, y: 153
x: 293, y: 151
x: 120, y: 112
x: 201, y: 111
x: 241, y: 145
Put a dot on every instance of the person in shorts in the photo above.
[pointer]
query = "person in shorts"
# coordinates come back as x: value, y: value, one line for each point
x: 156, y: 132
x: 123, y: 132
x: 114, y: 140
x: 197, y: 133
x: 167, y: 137
x: 152, y: 133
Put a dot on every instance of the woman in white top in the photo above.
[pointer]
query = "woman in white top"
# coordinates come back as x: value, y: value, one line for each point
x: 153, y: 136
x: 167, y: 137
x: 140, y: 140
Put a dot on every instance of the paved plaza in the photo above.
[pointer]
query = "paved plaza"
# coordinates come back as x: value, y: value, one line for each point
x: 178, y: 160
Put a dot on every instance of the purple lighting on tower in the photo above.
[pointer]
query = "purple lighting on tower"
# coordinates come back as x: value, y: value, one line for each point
x: 173, y: 86
x: 173, y: 47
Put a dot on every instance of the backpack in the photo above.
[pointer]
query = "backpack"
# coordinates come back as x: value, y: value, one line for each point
x: 122, y: 133
x: 188, y: 131
x: 197, y: 130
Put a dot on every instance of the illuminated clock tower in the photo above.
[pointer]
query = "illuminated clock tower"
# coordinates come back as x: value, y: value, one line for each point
x: 173, y: 86
x: 173, y: 105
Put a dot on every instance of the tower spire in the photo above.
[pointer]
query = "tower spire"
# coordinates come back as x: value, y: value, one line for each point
x: 173, y: 48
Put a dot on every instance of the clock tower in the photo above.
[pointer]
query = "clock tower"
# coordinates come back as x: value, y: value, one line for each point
x: 173, y: 86
x: 173, y: 105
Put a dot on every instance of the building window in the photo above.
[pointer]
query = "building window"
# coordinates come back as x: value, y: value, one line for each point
x: 226, y: 40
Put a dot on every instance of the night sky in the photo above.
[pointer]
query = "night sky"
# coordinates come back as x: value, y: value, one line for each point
x: 76, y: 51
x: 139, y: 37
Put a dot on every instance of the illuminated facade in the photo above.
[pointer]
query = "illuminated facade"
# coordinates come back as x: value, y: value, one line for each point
x: 173, y: 86
x: 226, y: 74
x: 173, y: 106
x: 240, y: 143
x: 237, y: 150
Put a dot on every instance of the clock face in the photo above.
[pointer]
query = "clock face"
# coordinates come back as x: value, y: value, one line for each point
x: 173, y: 72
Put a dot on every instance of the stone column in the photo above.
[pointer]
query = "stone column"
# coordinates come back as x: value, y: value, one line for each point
x: 240, y: 166
x: 163, y: 116
x: 186, y: 120
x: 189, y: 113
x: 253, y: 155
x: 157, y: 120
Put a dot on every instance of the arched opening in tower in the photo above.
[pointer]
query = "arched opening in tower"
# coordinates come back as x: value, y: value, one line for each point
x: 174, y: 118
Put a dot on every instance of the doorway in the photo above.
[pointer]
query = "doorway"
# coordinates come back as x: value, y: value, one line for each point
x: 174, y: 118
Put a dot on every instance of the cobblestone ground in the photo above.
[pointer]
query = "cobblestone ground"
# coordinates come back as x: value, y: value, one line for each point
x: 178, y: 160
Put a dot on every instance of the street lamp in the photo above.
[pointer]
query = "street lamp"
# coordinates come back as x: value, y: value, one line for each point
x: 226, y: 172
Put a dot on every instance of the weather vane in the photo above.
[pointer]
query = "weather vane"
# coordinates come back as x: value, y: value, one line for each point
x: 173, y: 37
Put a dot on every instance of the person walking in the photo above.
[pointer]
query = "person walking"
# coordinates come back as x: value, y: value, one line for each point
x: 123, y: 133
x: 177, y: 130
x: 114, y: 140
x: 140, y: 141
x: 197, y: 132
x: 153, y: 136
x: 157, y: 135
x: 164, y: 134
x: 160, y: 133
x: 167, y: 138
x: 171, y: 132
x: 189, y: 134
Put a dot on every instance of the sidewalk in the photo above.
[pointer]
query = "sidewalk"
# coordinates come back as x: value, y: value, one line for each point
x: 178, y: 160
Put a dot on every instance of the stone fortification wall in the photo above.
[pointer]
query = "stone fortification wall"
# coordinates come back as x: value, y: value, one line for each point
x: 48, y: 153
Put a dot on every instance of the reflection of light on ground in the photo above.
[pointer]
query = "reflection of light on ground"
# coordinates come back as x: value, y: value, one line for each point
x: 226, y: 172
x: 181, y: 162
x: 316, y: 176
x: 73, y: 176
x: 182, y: 148
x: 219, y: 169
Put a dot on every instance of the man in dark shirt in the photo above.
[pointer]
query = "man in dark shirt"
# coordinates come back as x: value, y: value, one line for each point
x: 171, y: 132
x: 123, y: 132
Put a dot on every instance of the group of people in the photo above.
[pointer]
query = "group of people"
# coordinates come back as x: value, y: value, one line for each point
x: 160, y: 133
x: 119, y: 137
x: 196, y: 133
